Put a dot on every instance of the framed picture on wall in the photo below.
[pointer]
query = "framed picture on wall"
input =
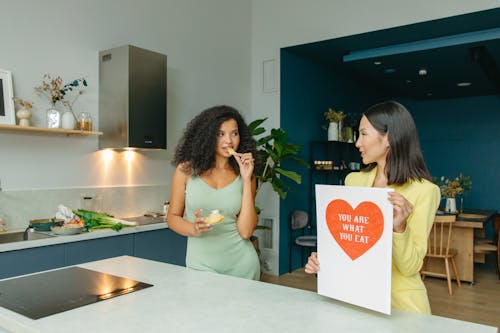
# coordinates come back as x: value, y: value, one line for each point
x: 6, y: 102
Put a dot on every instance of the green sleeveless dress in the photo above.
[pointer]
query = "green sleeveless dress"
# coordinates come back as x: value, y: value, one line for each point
x: 220, y: 250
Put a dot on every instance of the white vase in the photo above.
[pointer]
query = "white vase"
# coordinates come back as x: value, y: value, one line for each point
x: 68, y: 120
x: 53, y: 118
x: 451, y: 205
x: 24, y: 116
x: 333, y: 131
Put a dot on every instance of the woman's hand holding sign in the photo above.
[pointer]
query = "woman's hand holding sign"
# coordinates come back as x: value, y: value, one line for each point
x: 402, y: 209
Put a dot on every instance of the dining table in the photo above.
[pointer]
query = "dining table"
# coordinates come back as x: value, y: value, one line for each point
x: 468, y: 224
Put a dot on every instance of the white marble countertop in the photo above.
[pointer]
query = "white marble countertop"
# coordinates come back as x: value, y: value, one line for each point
x: 185, y: 300
x: 99, y: 233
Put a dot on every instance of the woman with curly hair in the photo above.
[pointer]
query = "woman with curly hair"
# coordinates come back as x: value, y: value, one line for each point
x: 214, y: 162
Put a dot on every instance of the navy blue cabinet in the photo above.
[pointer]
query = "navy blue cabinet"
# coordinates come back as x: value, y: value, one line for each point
x: 100, y: 248
x: 161, y: 245
x: 13, y: 263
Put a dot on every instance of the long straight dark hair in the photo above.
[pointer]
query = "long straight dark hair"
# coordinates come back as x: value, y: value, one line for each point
x: 404, y: 160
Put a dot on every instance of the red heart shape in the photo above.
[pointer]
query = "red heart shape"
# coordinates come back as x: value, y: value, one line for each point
x: 355, y: 230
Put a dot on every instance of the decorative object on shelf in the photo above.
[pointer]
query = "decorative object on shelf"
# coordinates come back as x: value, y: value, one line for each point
x: 451, y: 188
x: 347, y: 134
x: 6, y: 102
x: 333, y: 131
x: 351, y: 121
x: 53, y: 118
x: 54, y: 89
x: 335, y: 127
x: 24, y: 113
x: 68, y: 120
x: 84, y: 122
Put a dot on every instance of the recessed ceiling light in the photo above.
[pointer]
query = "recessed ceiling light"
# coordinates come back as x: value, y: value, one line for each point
x: 422, y: 72
x: 377, y: 63
x: 389, y: 70
x: 463, y: 84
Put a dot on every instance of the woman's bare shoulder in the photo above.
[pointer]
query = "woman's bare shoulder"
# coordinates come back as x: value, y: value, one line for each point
x: 183, y: 170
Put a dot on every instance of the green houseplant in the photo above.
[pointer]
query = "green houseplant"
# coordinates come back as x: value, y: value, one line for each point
x: 274, y: 149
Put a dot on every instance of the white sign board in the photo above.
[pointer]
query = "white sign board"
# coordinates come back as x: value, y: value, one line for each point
x: 355, y: 245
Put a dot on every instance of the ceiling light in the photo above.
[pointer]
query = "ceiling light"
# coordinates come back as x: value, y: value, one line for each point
x: 422, y: 72
x: 389, y: 70
x: 377, y: 63
x: 409, y: 81
x: 463, y: 84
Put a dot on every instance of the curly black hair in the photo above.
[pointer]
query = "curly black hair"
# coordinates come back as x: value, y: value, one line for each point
x: 196, y: 148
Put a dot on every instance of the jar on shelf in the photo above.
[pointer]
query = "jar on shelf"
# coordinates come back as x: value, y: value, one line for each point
x: 84, y: 122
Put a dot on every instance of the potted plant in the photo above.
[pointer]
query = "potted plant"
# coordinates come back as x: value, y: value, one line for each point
x: 335, y: 119
x: 273, y: 150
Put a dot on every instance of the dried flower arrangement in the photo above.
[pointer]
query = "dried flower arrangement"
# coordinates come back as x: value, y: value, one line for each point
x: 451, y: 188
x: 54, y: 89
x: 334, y: 116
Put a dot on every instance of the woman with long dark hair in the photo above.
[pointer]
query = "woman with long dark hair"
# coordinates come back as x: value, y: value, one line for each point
x: 214, y: 162
x: 389, y: 146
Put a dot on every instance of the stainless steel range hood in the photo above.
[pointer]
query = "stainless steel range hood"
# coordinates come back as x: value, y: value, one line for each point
x: 132, y: 98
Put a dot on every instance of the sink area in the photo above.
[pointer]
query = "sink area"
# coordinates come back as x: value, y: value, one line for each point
x: 19, y: 236
x: 143, y: 220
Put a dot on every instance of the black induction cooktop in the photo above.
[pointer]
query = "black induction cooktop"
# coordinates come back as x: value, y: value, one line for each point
x: 47, y: 293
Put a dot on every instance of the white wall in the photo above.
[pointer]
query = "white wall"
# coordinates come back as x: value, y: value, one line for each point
x: 208, y: 48
x: 282, y: 23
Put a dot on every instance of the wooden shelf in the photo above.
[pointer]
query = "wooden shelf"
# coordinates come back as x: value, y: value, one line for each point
x: 48, y: 131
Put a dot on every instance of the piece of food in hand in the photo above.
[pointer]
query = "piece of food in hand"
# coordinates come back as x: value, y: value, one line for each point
x: 215, y: 217
x: 231, y: 151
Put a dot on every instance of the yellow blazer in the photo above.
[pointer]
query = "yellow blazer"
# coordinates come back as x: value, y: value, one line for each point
x: 408, y: 248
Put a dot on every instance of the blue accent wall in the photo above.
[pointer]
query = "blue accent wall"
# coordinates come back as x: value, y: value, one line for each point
x: 308, y: 89
x: 463, y: 136
x: 457, y: 135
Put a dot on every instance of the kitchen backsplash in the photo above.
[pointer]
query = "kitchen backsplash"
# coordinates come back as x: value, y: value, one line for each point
x: 18, y: 207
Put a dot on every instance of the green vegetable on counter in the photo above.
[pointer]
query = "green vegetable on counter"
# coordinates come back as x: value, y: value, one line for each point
x: 94, y: 220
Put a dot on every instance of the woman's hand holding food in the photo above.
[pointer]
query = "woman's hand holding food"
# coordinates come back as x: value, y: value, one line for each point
x: 199, y: 224
x: 245, y: 161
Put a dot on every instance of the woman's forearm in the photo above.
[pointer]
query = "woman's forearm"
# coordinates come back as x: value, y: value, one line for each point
x: 247, y: 219
x: 179, y: 225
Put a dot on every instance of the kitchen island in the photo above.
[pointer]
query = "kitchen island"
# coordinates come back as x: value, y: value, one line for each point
x: 185, y: 300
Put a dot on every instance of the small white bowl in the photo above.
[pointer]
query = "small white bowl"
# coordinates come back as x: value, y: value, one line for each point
x: 64, y: 230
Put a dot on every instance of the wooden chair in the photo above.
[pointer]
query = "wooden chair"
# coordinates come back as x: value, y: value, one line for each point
x: 484, y: 246
x: 439, y: 248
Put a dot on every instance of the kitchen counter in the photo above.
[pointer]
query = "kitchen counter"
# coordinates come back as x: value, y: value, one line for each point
x: 185, y: 300
x: 144, y: 224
